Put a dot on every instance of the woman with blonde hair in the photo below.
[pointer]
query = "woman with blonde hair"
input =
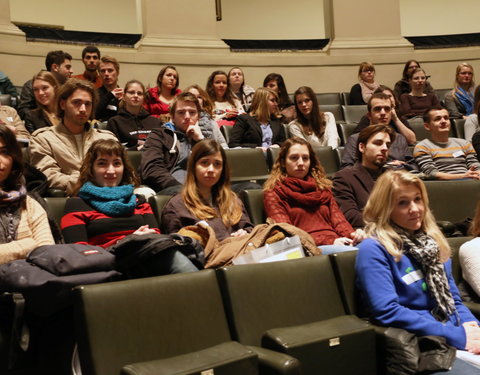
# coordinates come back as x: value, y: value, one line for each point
x: 316, y: 127
x: 207, y: 196
x: 299, y: 193
x: 404, y: 268
x: 44, y: 85
x: 460, y: 100
x: 261, y: 127
x: 361, y: 92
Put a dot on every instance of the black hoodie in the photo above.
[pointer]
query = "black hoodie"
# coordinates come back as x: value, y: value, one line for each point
x: 130, y: 128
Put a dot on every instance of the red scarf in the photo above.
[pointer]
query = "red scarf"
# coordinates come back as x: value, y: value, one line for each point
x: 303, y: 192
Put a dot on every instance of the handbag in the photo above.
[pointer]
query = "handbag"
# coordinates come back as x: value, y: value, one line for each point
x: 138, y: 256
x: 72, y: 259
x: 408, y: 354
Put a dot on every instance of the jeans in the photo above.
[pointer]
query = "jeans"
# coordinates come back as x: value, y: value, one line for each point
x: 330, y: 249
x: 460, y: 367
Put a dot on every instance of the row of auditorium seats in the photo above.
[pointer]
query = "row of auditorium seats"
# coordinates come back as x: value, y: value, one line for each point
x: 288, y: 317
x: 450, y: 202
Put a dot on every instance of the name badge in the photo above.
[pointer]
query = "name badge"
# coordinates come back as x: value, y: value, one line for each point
x: 458, y: 154
x: 111, y: 107
x: 411, y: 277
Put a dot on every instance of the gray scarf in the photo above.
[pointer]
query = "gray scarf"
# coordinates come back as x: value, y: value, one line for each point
x: 11, y: 203
x: 425, y: 252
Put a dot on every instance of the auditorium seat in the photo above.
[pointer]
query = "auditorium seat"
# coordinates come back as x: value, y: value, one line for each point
x: 157, y: 202
x: 459, y: 125
x: 247, y: 164
x: 354, y: 113
x: 253, y: 201
x: 328, y: 98
x: 294, y: 307
x: 345, y: 131
x: 335, y: 109
x: 329, y: 159
x: 173, y: 324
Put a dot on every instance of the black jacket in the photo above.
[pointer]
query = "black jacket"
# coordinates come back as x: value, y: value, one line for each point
x: 247, y: 132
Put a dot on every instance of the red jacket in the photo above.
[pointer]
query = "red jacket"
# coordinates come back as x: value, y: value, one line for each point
x: 154, y: 105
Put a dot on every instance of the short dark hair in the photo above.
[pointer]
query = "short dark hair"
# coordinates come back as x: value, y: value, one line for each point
x: 56, y: 57
x: 184, y: 97
x: 426, y: 115
x: 69, y: 87
x: 368, y: 132
x: 90, y: 49
x: 378, y: 95
x: 13, y: 150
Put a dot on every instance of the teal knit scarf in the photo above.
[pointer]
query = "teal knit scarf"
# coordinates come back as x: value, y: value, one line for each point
x: 111, y: 201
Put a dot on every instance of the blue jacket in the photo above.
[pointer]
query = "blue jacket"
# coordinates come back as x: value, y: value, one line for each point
x: 400, y: 301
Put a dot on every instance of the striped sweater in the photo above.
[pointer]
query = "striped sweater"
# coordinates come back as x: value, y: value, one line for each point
x: 455, y: 156
x: 83, y: 224
x: 33, y: 231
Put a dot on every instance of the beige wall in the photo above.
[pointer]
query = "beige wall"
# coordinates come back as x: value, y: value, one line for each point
x: 434, y: 17
x: 113, y: 16
x: 186, y: 34
x: 267, y: 19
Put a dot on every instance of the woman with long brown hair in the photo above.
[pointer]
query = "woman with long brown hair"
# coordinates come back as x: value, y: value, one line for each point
x: 44, y: 87
x: 226, y: 106
x: 158, y: 98
x: 316, y: 127
x: 207, y: 195
x: 24, y: 223
x: 298, y: 192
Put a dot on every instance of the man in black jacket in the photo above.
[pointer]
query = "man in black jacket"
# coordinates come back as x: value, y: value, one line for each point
x: 166, y: 151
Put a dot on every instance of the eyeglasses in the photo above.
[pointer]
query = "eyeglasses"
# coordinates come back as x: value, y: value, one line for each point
x: 378, y: 108
x: 466, y: 73
x: 368, y: 70
x: 133, y: 92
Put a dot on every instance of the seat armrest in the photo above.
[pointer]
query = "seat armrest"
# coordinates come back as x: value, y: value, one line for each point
x: 229, y: 358
x: 275, y: 363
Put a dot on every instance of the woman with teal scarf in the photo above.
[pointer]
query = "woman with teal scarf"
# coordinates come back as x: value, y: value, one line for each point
x: 106, y: 209
x: 459, y: 101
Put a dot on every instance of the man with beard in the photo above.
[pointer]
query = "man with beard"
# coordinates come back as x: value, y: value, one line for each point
x: 352, y: 185
x: 91, y: 59
x: 58, y: 150
x: 110, y: 93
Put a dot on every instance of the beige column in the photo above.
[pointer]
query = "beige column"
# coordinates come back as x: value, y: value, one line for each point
x: 180, y: 25
x: 366, y: 25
